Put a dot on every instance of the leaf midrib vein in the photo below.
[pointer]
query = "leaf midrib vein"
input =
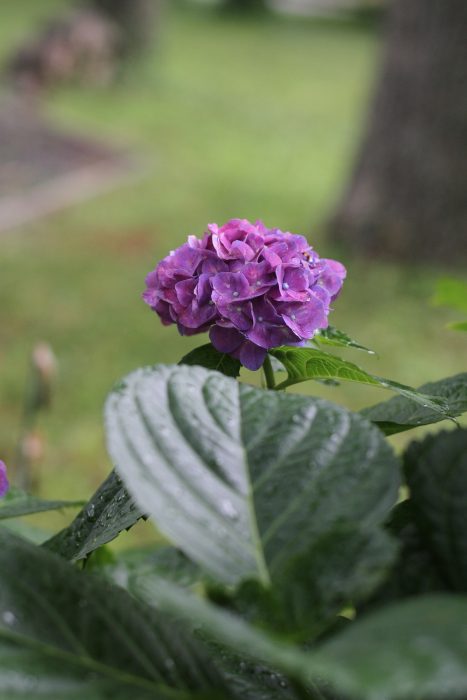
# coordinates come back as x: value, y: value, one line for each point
x: 88, y: 662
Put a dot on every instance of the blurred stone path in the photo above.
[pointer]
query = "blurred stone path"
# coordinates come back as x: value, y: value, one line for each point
x: 43, y: 169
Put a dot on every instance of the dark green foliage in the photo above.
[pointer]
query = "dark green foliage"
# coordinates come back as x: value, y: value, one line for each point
x: 207, y: 356
x: 109, y: 511
x: 436, y: 473
x: 294, y: 573
x: 414, y: 571
x: 431, y: 526
x: 339, y: 570
x: 65, y: 634
x: 17, y: 503
x: 403, y: 413
x: 415, y: 648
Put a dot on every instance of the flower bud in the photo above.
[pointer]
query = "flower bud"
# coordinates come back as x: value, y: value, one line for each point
x: 44, y: 361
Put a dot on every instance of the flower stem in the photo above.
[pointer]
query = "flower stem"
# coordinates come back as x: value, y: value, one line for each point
x: 268, y: 373
x: 303, y: 693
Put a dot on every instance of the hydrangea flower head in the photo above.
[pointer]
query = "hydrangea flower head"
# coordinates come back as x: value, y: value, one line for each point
x: 251, y: 287
x: 4, y: 485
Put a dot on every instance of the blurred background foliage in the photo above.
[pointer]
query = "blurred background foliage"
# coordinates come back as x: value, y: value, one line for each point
x: 229, y: 116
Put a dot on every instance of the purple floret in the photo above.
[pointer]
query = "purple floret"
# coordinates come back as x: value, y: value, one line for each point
x: 4, y: 485
x: 251, y: 287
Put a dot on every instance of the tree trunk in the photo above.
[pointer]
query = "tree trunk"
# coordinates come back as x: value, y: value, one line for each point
x: 245, y: 6
x: 407, y: 199
x: 135, y: 18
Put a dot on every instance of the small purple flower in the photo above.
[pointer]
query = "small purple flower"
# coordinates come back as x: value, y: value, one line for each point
x: 4, y: 485
x: 251, y: 287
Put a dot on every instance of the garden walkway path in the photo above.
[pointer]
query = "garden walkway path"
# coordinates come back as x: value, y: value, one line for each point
x: 44, y: 169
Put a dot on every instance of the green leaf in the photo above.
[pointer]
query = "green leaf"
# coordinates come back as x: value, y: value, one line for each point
x: 411, y: 649
x: 305, y: 363
x: 451, y: 292
x: 431, y: 525
x: 242, y: 479
x: 414, y: 648
x: 17, y: 503
x: 436, y: 472
x: 403, y: 413
x: 67, y: 635
x: 415, y: 570
x: 223, y: 627
x: 253, y: 681
x: 339, y: 570
x: 109, y: 511
x: 333, y: 336
x: 207, y: 356
x: 164, y: 561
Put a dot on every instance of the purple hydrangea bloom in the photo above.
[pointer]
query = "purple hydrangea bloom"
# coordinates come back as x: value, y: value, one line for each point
x: 4, y: 485
x: 251, y: 287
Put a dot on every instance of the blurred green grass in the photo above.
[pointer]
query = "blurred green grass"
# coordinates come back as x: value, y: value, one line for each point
x: 255, y: 119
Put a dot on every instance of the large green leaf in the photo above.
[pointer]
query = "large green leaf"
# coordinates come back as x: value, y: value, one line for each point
x: 250, y: 680
x: 415, y: 648
x: 415, y: 570
x: 412, y: 649
x: 65, y: 634
x: 207, y: 356
x: 431, y: 526
x: 224, y: 628
x: 436, y: 472
x: 303, y: 364
x: 17, y: 503
x: 403, y: 413
x: 109, y: 511
x: 241, y: 479
x: 340, y: 569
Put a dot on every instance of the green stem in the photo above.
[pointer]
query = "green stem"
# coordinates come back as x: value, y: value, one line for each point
x: 303, y: 693
x: 299, y: 691
x: 268, y: 373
